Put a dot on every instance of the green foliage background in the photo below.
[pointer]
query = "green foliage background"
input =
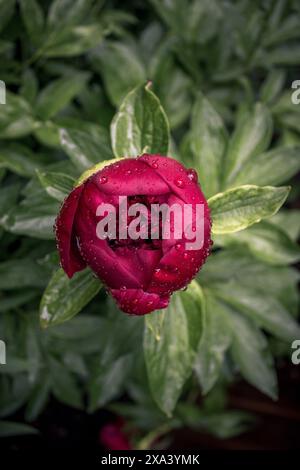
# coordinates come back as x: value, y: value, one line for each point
x: 208, y: 83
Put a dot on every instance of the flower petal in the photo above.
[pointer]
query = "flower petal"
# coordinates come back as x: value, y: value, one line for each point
x: 70, y: 257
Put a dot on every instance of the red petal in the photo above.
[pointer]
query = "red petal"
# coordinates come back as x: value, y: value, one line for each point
x: 138, y: 302
x: 130, y: 176
x: 70, y: 257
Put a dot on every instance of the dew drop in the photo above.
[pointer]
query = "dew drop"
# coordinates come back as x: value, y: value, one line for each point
x: 154, y: 164
x: 179, y: 183
x: 157, y: 272
x: 192, y: 175
x: 102, y: 180
x: 185, y: 255
x: 178, y: 246
x: 123, y: 288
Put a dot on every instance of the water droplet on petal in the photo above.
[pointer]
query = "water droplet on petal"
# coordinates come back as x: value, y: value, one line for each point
x: 185, y: 255
x: 123, y: 288
x: 102, y: 180
x: 178, y: 246
x: 192, y: 175
x: 154, y: 164
x: 179, y: 183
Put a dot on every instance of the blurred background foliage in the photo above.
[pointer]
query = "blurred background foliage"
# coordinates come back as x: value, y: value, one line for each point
x: 219, y: 69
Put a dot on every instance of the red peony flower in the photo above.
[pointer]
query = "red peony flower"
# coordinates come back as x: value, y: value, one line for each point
x: 142, y: 272
x: 113, y: 438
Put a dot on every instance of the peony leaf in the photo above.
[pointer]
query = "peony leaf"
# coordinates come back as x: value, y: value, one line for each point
x: 7, y: 11
x: 63, y: 384
x: 59, y: 93
x: 86, y: 148
x: 261, y: 307
x: 265, y: 241
x: 169, y: 352
x: 270, y: 168
x: 10, y: 428
x: 238, y: 208
x: 214, y: 342
x: 33, y: 18
x: 237, y: 264
x: 57, y: 185
x: 251, y: 137
x: 120, y: 67
x: 208, y: 143
x: 16, y: 118
x: 140, y: 126
x: 64, y: 297
x: 250, y: 352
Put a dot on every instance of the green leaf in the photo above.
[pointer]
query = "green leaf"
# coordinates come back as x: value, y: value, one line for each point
x: 251, y: 137
x: 18, y: 299
x: 63, y: 384
x: 284, y: 55
x: 272, y: 86
x: 250, y: 352
x: 85, y: 148
x: 10, y: 428
x: 120, y: 68
x: 107, y: 382
x: 74, y: 41
x: 238, y: 208
x: 15, y: 118
x: 8, y: 197
x: 20, y: 273
x: 57, y: 185
x: 214, y: 342
x: 168, y: 353
x: 34, y: 216
x: 140, y: 126
x: 266, y: 241
x: 64, y: 297
x: 171, y: 84
x: 38, y: 399
x: 270, y: 168
x: 59, y: 93
x: 14, y: 365
x: 29, y: 88
x: 33, y: 18
x: 208, y: 144
x: 222, y: 424
x: 288, y: 221
x: 264, y: 309
x: 48, y: 132
x: 82, y: 327
x: 239, y: 265
x: 7, y: 10
x: 63, y: 13
x: 20, y: 160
